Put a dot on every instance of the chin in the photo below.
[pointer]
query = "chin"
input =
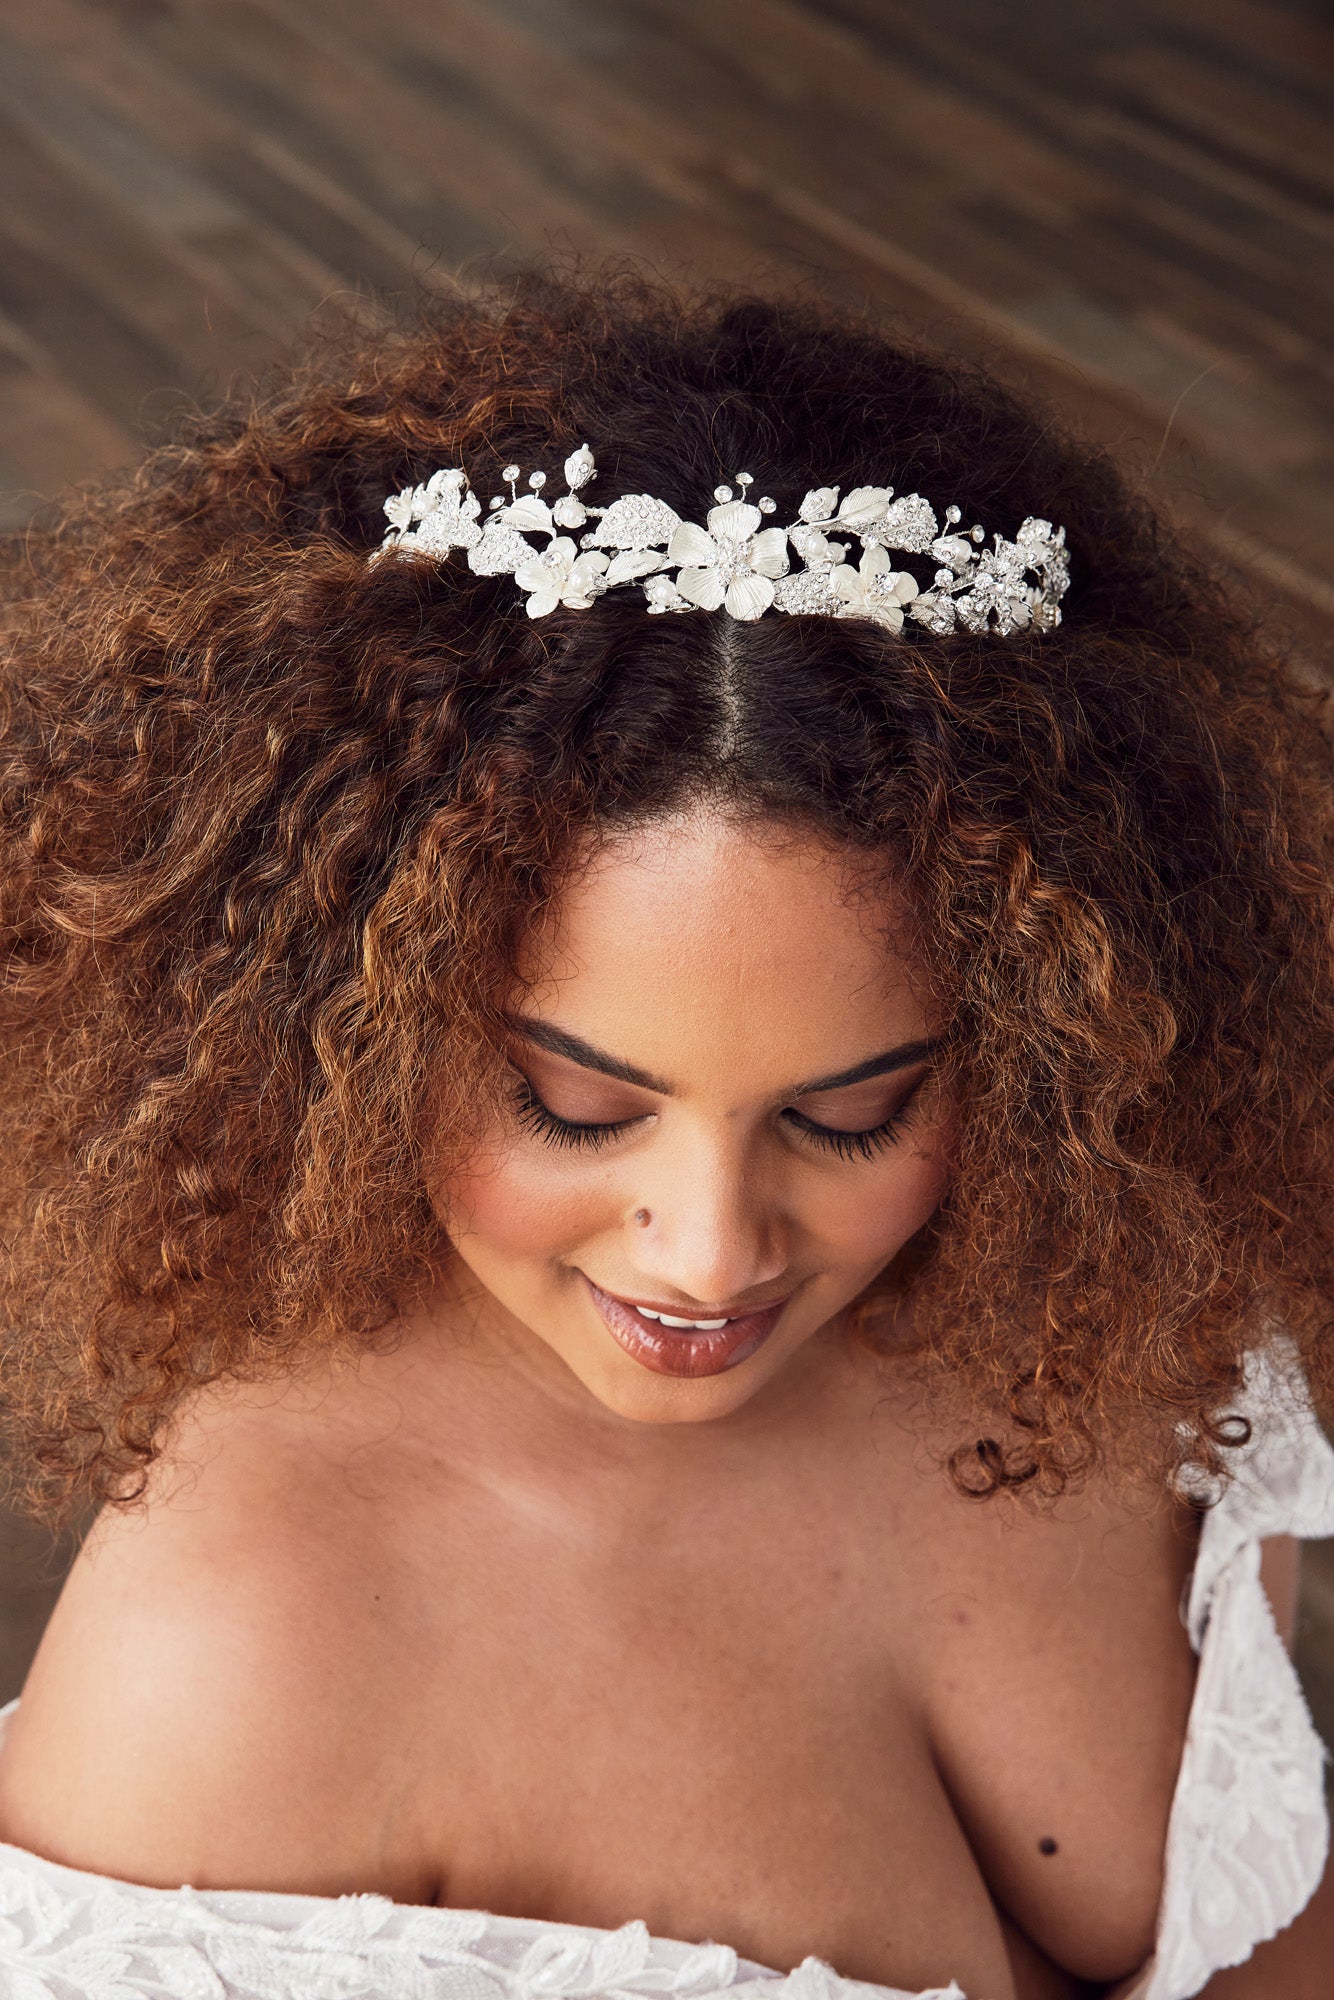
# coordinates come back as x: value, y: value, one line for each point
x: 657, y: 1399
x: 639, y: 1395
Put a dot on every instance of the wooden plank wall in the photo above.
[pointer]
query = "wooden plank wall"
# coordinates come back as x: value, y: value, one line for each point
x: 1124, y: 204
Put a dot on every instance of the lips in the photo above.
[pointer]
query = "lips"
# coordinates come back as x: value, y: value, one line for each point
x: 684, y: 1351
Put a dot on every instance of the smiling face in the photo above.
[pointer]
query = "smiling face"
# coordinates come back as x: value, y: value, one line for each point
x: 723, y: 1110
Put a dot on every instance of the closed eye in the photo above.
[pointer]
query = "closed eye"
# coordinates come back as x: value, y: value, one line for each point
x: 545, y: 1124
x: 862, y: 1145
x: 591, y: 1135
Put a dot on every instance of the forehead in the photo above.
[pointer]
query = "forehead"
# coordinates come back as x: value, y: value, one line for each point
x: 706, y: 939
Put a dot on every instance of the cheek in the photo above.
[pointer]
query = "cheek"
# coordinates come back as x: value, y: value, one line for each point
x: 526, y: 1202
x: 871, y: 1215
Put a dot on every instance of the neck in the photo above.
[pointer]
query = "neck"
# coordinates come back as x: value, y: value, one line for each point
x: 469, y: 1369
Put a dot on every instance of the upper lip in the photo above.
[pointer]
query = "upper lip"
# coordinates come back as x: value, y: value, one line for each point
x: 679, y: 1311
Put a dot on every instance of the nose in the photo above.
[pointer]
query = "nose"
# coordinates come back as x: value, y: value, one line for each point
x: 716, y: 1233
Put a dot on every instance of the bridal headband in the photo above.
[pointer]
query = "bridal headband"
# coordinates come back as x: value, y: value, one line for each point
x: 734, y: 562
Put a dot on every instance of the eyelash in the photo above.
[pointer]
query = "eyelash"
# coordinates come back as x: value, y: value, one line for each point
x: 534, y: 1116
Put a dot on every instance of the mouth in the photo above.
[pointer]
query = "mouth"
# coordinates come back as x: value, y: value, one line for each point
x: 669, y: 1344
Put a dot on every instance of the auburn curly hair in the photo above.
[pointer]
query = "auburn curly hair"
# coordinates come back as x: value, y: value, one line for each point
x: 275, y: 821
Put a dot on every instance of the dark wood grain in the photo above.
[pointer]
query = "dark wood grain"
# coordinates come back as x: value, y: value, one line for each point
x: 1124, y: 205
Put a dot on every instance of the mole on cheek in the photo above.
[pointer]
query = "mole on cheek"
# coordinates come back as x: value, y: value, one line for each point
x: 1047, y: 1845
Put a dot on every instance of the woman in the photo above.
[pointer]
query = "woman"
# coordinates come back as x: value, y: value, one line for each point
x: 670, y: 1165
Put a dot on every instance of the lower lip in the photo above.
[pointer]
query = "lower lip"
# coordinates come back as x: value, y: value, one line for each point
x: 673, y: 1350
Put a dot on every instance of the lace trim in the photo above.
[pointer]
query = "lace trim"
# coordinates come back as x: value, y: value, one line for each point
x: 67, y: 1935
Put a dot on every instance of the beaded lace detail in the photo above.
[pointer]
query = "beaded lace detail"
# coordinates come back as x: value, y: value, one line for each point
x: 1246, y: 1842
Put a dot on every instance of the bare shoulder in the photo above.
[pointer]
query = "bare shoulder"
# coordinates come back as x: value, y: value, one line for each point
x: 209, y: 1702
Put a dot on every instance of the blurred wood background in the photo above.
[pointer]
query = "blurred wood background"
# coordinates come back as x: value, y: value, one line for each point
x: 1123, y: 204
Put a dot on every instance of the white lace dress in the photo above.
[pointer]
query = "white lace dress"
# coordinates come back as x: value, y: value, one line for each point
x: 1245, y: 1848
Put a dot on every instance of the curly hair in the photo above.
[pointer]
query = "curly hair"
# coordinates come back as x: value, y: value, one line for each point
x: 276, y: 820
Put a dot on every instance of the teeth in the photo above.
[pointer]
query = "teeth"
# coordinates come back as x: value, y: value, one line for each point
x: 694, y: 1325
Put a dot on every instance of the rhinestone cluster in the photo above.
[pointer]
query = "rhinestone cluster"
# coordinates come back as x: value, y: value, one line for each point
x: 736, y: 562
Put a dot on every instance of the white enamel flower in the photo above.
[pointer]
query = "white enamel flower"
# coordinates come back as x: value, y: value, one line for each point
x: 733, y: 563
x: 443, y: 488
x: 398, y: 507
x: 875, y: 589
x: 560, y: 575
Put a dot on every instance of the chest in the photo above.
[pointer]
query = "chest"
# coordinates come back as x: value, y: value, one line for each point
x: 853, y: 1730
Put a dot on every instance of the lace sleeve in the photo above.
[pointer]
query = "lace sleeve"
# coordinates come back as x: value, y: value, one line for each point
x: 1249, y: 1829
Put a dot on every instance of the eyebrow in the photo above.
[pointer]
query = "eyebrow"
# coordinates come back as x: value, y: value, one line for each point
x: 560, y: 1042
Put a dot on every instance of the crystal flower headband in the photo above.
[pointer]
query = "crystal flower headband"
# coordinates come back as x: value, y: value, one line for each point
x: 734, y: 562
